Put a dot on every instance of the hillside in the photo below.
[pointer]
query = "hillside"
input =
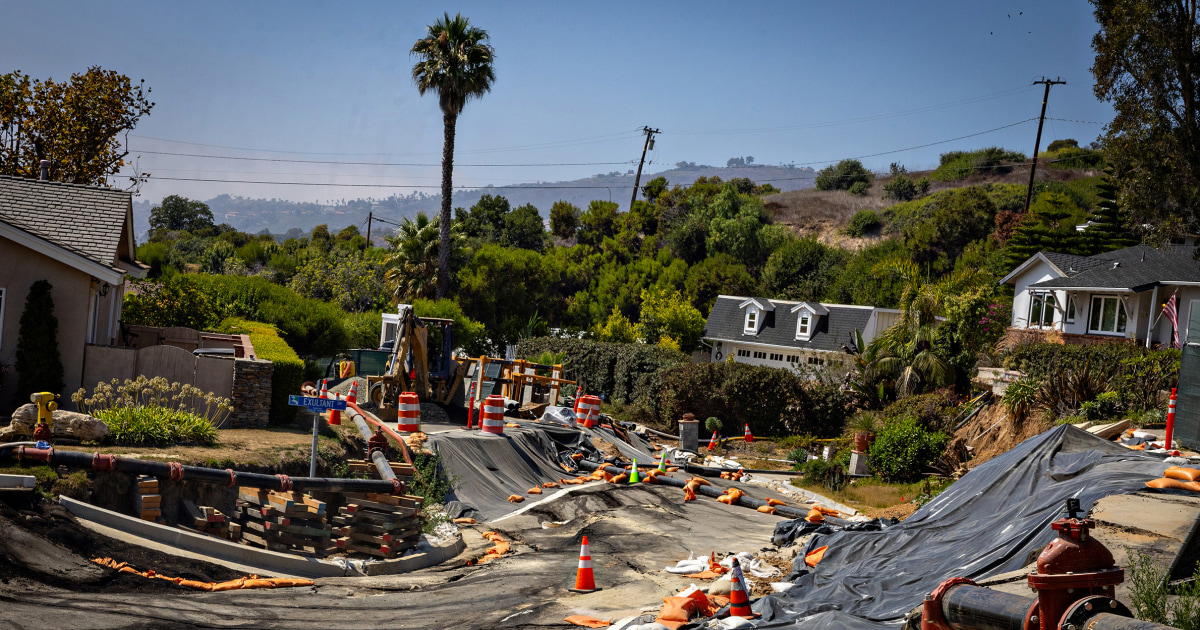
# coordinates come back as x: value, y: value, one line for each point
x: 278, y: 216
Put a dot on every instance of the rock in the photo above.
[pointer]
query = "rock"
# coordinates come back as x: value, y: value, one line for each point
x: 66, y: 424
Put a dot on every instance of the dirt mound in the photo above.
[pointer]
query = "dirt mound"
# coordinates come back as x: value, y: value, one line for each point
x: 993, y: 431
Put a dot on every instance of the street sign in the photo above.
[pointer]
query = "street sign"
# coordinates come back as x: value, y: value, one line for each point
x: 316, y: 405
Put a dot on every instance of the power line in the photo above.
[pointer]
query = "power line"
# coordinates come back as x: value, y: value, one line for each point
x: 350, y: 163
x: 919, y: 146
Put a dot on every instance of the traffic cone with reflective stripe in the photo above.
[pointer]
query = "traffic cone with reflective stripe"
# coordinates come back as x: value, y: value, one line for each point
x: 585, y: 582
x: 662, y: 462
x: 633, y: 474
x: 739, y: 604
x: 749, y: 438
x: 352, y: 397
x: 335, y: 416
x: 712, y: 444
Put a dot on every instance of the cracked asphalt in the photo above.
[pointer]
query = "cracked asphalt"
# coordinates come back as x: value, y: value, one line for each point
x: 634, y: 532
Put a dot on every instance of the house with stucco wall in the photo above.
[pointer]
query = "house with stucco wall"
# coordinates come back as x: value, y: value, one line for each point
x: 80, y: 239
x: 1115, y: 296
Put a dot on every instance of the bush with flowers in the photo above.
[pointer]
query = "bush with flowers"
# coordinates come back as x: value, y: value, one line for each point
x: 155, y: 412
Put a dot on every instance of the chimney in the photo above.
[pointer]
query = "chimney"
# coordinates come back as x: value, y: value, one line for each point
x: 45, y: 171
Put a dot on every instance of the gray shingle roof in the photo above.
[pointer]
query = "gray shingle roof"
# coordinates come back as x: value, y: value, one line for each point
x: 1134, y: 268
x: 86, y: 220
x: 726, y: 322
x: 1071, y: 264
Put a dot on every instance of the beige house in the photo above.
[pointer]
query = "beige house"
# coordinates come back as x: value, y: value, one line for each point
x: 80, y: 239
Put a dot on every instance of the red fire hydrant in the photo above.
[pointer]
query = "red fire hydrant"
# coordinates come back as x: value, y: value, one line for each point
x: 377, y: 442
x: 1074, y: 566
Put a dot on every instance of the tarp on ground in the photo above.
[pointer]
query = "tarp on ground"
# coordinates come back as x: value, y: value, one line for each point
x: 637, y: 447
x: 486, y: 469
x: 994, y: 520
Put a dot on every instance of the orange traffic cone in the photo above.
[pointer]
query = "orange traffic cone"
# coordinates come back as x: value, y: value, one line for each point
x: 749, y: 438
x: 739, y: 604
x: 335, y: 416
x: 585, y: 582
x: 712, y: 444
x: 352, y: 397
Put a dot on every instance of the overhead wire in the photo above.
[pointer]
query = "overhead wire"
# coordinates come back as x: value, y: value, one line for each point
x: 356, y: 163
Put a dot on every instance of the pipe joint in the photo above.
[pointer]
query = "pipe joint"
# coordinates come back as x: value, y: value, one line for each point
x: 932, y: 617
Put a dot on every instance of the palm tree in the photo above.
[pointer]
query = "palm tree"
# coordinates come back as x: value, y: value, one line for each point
x: 412, y: 264
x: 906, y: 350
x: 454, y: 60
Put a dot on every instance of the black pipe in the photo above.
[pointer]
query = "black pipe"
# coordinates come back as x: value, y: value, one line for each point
x: 709, y: 491
x: 75, y: 459
x: 1109, y: 621
x: 967, y: 607
x: 377, y: 457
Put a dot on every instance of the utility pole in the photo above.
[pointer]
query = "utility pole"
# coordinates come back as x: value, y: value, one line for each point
x: 1037, y: 144
x: 369, y: 214
x: 637, y: 181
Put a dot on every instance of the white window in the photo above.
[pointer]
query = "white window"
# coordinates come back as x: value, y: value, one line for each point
x: 1070, y: 309
x: 791, y: 358
x: 3, y: 294
x: 751, y: 321
x: 776, y: 357
x: 1041, y: 310
x: 803, y: 325
x: 760, y: 355
x: 1107, y: 315
x: 93, y: 316
x: 743, y: 353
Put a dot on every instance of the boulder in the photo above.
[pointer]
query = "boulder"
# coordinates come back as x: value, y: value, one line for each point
x: 79, y: 426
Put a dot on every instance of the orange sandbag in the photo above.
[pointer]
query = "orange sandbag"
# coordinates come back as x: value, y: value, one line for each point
x: 607, y: 476
x: 549, y: 484
x: 231, y: 585
x: 570, y: 482
x: 814, y: 556
x: 465, y: 521
x: 651, y: 479
x: 577, y: 456
x: 735, y: 493
x: 621, y: 478
x: 1174, y: 484
x: 282, y: 582
x: 672, y: 468
x: 511, y: 425
x: 689, y: 494
x: 515, y: 498
x: 775, y: 502
x: 726, y: 499
x: 677, y: 611
x: 815, y: 516
x: 200, y: 586
x: 1182, y: 474
x: 766, y: 509
x: 824, y: 510
x: 534, y: 490
x: 701, y: 481
x: 587, y: 622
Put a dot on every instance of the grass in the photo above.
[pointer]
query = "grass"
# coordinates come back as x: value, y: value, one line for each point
x: 874, y: 493
x: 241, y: 447
x: 154, y: 425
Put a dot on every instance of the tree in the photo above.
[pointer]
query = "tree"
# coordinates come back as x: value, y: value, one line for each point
x: 485, y: 219
x: 74, y: 124
x: 180, y: 213
x: 455, y: 60
x: 412, y: 265
x: 1147, y: 65
x: 564, y: 219
x: 954, y: 219
x: 523, y: 228
x: 654, y: 188
x: 1065, y: 143
x: 599, y: 221
x: 1050, y: 226
x: 803, y: 269
x: 503, y: 288
x: 720, y: 274
x: 38, y: 363
x: 667, y: 314
x: 842, y: 176
x: 1106, y: 228
x: 618, y: 328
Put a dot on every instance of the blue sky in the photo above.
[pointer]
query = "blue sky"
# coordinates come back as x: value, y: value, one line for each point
x: 800, y: 82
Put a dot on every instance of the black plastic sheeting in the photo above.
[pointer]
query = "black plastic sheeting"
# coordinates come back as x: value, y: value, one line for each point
x: 994, y: 520
x: 486, y: 469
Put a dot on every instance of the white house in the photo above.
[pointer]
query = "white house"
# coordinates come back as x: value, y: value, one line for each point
x: 784, y: 333
x: 1110, y: 296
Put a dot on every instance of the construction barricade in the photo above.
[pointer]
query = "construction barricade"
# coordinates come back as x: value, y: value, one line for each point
x: 408, y: 417
x: 492, y: 416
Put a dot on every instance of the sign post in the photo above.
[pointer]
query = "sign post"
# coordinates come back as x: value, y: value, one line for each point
x: 316, y: 406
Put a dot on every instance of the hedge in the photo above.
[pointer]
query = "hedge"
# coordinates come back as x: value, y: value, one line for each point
x: 312, y: 327
x: 773, y: 401
x: 621, y: 371
x: 288, y: 374
x: 1135, y: 373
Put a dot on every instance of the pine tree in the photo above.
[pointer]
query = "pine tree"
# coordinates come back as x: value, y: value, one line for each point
x: 1108, y: 229
x: 1048, y: 226
x: 38, y: 363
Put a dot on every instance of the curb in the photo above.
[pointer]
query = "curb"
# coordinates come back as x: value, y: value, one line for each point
x: 268, y: 561
x: 434, y: 554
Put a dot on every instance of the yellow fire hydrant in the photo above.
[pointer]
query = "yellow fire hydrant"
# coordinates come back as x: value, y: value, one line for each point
x: 43, y: 431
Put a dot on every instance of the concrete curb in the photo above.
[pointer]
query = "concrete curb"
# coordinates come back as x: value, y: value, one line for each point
x: 9, y: 482
x: 431, y: 555
x: 268, y: 561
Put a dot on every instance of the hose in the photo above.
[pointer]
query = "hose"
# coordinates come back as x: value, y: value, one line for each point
x: 16, y: 444
x: 710, y: 491
x: 403, y: 445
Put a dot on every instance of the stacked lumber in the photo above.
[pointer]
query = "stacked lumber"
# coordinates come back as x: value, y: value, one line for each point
x: 380, y: 525
x: 147, y: 502
x: 291, y: 522
x: 358, y: 467
x: 207, y: 520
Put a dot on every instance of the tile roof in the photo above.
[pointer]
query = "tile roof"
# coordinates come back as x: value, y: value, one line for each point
x: 87, y: 220
x: 1133, y: 268
x: 726, y: 321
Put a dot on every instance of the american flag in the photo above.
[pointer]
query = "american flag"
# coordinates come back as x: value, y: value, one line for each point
x: 1172, y: 312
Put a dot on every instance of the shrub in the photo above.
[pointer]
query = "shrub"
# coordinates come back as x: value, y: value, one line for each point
x: 309, y: 326
x: 1106, y: 405
x: 174, y: 301
x: 712, y: 424
x: 863, y: 222
x: 830, y: 474
x: 959, y: 164
x: 154, y: 412
x: 797, y: 455
x: 843, y: 176
x: 469, y: 335
x: 927, y: 409
x: 859, y: 188
x: 38, y: 363
x: 625, y: 371
x: 903, y: 448
x: 773, y: 401
x: 903, y: 188
x: 157, y: 426
x: 1019, y: 397
x: 288, y: 373
x: 1136, y: 374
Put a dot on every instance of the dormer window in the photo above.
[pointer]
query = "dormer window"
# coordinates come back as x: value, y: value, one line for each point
x: 803, y: 326
x: 806, y: 318
x: 751, y: 321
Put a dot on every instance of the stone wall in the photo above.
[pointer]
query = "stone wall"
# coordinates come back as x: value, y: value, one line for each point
x: 251, y: 394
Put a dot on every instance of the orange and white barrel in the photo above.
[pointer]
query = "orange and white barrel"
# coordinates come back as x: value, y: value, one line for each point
x: 587, y: 410
x: 492, y: 416
x: 408, y: 417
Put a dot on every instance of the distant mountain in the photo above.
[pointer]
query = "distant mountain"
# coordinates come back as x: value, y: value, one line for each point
x: 279, y: 216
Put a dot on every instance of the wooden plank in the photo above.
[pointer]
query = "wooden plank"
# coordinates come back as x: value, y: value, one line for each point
x: 355, y: 505
x: 296, y: 529
x: 378, y: 530
x: 355, y: 513
x: 253, y: 539
x: 300, y: 497
x: 381, y: 539
x: 407, y: 501
x: 383, y: 524
x: 147, y: 500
